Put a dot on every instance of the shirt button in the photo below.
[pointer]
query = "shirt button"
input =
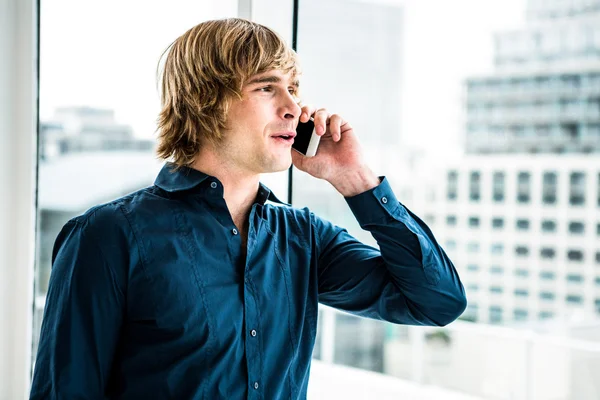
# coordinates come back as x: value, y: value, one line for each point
x: 234, y: 231
x: 253, y: 332
x: 255, y: 385
x: 384, y: 200
x: 213, y: 185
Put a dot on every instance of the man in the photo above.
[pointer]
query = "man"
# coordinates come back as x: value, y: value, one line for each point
x: 196, y: 287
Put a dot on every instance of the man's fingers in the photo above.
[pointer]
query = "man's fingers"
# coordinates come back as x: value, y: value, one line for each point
x: 335, y: 123
x: 321, y: 118
x: 307, y: 111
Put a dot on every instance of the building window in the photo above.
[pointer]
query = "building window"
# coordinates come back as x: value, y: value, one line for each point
x: 549, y: 187
x: 574, y: 298
x: 597, y: 280
x: 450, y: 244
x: 520, y: 314
x: 576, y: 227
x: 429, y: 219
x: 475, y: 186
x: 574, y: 278
x: 546, y: 314
x: 547, y: 295
x: 598, y: 229
x: 496, y: 289
x: 472, y: 287
x: 495, y: 314
x: 577, y: 194
x: 598, y: 257
x: 521, y: 272
x: 474, y: 222
x: 521, y: 251
x: 496, y: 270
x: 452, y: 192
x: 548, y: 226
x: 451, y: 220
x: 473, y: 247
x: 547, y: 275
x: 575, y: 255
x: 523, y: 187
x: 473, y: 267
x: 498, y: 223
x: 598, y: 201
x: 523, y: 224
x: 547, y: 252
x: 498, y: 186
x: 521, y: 292
x: 497, y: 248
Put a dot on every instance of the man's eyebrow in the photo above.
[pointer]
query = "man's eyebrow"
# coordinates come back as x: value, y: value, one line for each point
x: 271, y: 79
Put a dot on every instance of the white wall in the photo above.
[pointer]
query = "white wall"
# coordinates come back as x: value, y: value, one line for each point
x: 18, y: 120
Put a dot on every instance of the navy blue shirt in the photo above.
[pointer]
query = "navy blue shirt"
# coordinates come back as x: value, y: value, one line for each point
x: 151, y: 296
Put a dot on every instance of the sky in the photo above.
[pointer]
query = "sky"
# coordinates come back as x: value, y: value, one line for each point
x: 104, y: 54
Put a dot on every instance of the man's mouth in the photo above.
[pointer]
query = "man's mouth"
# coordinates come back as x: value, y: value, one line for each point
x: 287, y: 137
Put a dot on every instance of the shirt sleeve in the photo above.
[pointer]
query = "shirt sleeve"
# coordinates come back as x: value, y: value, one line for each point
x: 82, y: 317
x: 410, y: 280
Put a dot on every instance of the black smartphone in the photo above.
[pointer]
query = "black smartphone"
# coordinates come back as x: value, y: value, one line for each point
x: 306, y: 140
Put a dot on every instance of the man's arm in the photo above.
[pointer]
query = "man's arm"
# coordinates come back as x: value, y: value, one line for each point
x: 410, y: 280
x: 82, y: 318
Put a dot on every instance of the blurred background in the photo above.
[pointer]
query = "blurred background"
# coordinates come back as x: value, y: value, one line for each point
x: 483, y: 114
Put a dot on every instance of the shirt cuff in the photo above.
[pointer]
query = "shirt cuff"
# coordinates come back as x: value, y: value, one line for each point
x: 374, y: 205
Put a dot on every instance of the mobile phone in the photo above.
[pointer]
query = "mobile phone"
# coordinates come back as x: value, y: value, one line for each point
x: 306, y: 140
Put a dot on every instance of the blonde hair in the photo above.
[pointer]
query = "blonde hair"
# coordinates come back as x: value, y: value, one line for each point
x: 204, y: 70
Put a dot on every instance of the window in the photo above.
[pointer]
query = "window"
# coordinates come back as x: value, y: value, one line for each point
x: 597, y: 281
x: 577, y: 192
x: 495, y: 314
x: 520, y: 314
x: 496, y: 270
x: 598, y: 196
x: 574, y: 299
x: 574, y: 278
x: 523, y: 224
x: 521, y: 292
x: 496, y: 289
x: 473, y: 247
x: 450, y: 244
x: 472, y: 287
x: 474, y: 222
x: 497, y: 223
x: 547, y: 295
x: 576, y: 228
x: 547, y: 275
x: 598, y: 257
x: 547, y: 252
x: 452, y: 190
x: 575, y: 255
x: 472, y: 267
x: 498, y: 187
x: 548, y: 226
x: 521, y: 272
x: 546, y: 314
x: 429, y: 219
x: 598, y: 229
x: 523, y: 187
x: 474, y: 186
x: 549, y: 188
x: 497, y: 248
x: 451, y: 220
x: 521, y: 251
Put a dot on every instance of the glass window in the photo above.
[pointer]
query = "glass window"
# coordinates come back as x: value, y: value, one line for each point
x: 498, y: 223
x: 474, y: 186
x: 523, y: 224
x: 576, y: 227
x: 474, y: 222
x: 575, y: 255
x: 496, y: 270
x: 451, y: 220
x: 520, y: 314
x: 547, y: 295
x: 495, y: 314
x: 521, y: 272
x: 498, y: 187
x: 547, y: 275
x: 450, y: 244
x: 598, y: 194
x: 574, y: 278
x: 546, y: 314
x: 577, y: 188
x: 548, y: 226
x: 547, y: 252
x: 452, y: 189
x: 472, y: 287
x: 521, y: 292
x: 598, y: 257
x: 574, y: 298
x: 598, y: 229
x: 523, y: 187
x: 473, y: 267
x: 549, y: 188
x: 597, y: 280
x: 521, y: 251
x: 496, y: 289
x: 497, y: 248
x: 473, y: 247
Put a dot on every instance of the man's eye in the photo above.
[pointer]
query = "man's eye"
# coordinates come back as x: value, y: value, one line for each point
x: 266, y: 89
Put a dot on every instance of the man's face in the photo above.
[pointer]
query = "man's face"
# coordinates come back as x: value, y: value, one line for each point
x: 258, y: 123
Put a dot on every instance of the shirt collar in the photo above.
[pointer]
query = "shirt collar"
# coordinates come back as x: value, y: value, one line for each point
x: 185, y: 178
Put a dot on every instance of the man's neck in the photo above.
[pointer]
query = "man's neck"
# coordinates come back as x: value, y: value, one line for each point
x: 239, y: 187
